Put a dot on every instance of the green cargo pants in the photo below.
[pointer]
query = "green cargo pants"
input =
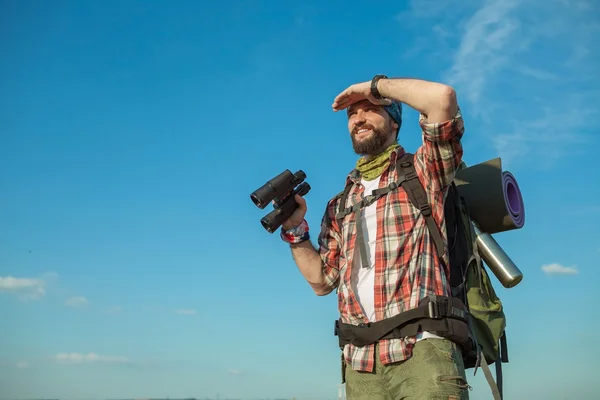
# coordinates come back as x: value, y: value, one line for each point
x: 434, y: 372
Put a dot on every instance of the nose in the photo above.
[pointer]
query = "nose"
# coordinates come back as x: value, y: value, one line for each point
x: 359, y: 117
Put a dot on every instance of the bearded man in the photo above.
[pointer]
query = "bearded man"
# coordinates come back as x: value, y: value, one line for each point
x: 381, y: 258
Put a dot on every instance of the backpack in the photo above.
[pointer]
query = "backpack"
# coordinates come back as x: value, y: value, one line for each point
x: 479, y: 322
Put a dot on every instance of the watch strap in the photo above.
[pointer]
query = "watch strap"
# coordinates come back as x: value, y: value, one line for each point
x: 374, y: 92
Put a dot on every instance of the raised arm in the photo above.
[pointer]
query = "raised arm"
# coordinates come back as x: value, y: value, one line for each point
x: 434, y: 100
x: 441, y: 123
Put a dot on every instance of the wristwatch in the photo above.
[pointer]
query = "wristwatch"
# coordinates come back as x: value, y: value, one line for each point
x: 374, y: 90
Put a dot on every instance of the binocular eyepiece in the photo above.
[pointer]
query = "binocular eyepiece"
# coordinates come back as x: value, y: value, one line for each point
x: 280, y: 190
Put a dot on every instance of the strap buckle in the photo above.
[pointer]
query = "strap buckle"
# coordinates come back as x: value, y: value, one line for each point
x: 368, y: 199
x: 434, y: 310
x: 425, y: 209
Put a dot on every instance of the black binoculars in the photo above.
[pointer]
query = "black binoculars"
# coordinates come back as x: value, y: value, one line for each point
x: 281, y: 191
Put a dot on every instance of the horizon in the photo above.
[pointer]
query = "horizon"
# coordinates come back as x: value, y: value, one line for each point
x: 132, y: 133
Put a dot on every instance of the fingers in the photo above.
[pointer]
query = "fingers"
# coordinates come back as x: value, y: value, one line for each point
x: 348, y: 101
x: 341, y: 101
x: 340, y: 105
x: 340, y: 97
x: 356, y: 93
x: 346, y: 98
x: 301, y: 202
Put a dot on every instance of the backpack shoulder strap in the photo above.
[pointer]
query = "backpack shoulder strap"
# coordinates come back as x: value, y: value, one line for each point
x: 418, y: 197
x: 342, y: 211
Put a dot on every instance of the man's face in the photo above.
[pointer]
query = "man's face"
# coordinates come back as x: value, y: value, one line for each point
x: 371, y: 128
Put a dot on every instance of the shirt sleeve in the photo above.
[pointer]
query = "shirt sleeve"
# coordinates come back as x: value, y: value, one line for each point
x: 330, y: 246
x: 441, y: 152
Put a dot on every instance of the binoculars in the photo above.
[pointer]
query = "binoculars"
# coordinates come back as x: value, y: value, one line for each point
x: 281, y: 191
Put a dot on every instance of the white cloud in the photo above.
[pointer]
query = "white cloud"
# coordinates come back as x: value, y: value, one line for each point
x: 526, y: 71
x: 557, y: 269
x: 235, y: 371
x: 80, y: 358
x: 24, y: 288
x: 484, y: 48
x: 186, y: 312
x: 22, y: 364
x: 76, y: 301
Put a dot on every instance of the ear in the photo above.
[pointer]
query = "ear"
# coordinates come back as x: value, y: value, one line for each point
x: 395, y: 128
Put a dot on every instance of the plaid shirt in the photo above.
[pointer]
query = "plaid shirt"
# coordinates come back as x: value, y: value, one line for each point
x: 406, y: 264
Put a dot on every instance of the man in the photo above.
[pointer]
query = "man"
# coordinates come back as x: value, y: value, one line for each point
x: 400, y: 265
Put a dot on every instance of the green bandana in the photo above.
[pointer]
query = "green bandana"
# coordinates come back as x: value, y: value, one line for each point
x: 371, y: 169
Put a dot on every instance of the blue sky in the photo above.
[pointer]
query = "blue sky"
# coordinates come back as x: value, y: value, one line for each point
x: 133, y: 262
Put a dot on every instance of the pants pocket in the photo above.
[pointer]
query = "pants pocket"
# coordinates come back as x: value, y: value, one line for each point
x: 450, y: 377
x: 444, y: 348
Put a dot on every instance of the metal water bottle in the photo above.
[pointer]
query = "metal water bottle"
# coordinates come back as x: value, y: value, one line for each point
x: 499, y: 262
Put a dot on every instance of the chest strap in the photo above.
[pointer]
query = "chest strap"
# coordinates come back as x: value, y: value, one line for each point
x: 370, y: 199
x: 356, y: 209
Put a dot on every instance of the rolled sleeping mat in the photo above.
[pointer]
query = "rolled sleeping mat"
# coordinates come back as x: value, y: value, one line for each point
x: 493, y: 196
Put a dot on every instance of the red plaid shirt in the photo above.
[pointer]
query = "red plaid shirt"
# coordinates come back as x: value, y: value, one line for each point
x: 407, y: 267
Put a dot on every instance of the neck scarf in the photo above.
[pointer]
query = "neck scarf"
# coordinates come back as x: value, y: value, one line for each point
x: 373, y: 167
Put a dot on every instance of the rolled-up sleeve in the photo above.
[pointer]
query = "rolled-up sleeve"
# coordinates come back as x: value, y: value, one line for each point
x: 330, y: 246
x: 442, y: 151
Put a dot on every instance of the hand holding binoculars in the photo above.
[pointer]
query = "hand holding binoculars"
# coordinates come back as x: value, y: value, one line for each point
x: 281, y: 191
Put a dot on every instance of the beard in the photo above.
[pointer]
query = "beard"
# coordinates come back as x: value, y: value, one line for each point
x: 371, y: 145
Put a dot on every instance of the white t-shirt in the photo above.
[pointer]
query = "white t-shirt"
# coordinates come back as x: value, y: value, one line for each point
x: 363, y: 279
